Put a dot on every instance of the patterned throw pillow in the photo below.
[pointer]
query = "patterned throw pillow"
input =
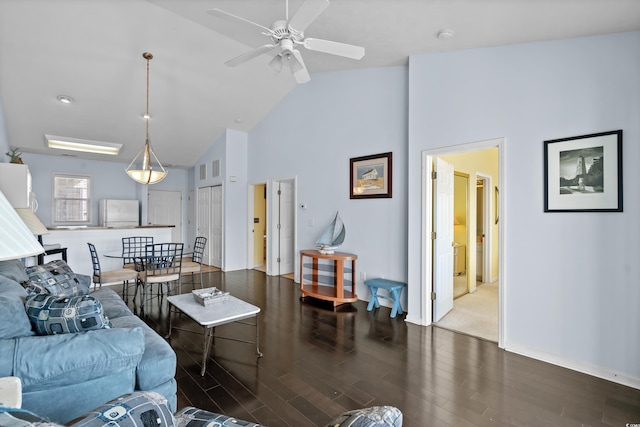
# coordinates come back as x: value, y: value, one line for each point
x: 139, y: 409
x: 51, y: 314
x: 56, y: 278
x: 376, y: 416
x: 194, y: 417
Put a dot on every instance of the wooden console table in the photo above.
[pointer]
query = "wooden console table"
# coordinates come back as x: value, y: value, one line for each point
x: 311, y: 284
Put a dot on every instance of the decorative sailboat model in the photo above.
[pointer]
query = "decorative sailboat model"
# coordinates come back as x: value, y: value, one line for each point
x: 332, y: 237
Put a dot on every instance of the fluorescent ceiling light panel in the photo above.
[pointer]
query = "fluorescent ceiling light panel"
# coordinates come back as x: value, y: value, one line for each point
x: 84, y: 145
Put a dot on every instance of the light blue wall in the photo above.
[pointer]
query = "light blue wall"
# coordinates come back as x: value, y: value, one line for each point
x: 109, y: 181
x: 236, y: 222
x: 571, y: 278
x: 313, y: 133
x: 571, y: 281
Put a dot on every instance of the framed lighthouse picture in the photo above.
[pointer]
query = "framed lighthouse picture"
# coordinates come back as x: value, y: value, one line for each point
x: 583, y: 173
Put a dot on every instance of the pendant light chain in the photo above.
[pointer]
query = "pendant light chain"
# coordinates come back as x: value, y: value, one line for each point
x: 148, y: 57
x: 146, y: 174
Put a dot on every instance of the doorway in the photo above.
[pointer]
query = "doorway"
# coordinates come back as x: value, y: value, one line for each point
x: 272, y: 249
x: 259, y: 229
x: 481, y: 163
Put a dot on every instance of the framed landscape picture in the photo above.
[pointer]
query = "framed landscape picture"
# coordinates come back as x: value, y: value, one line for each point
x: 583, y: 173
x: 370, y: 176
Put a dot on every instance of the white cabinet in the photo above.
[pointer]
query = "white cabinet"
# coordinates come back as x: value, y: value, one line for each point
x: 15, y: 184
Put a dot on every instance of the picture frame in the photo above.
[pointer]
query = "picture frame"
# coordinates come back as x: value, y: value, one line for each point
x: 583, y: 173
x: 371, y: 176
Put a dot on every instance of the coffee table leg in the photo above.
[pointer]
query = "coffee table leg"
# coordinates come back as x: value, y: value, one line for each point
x: 258, y: 339
x: 208, y: 337
x: 168, y: 336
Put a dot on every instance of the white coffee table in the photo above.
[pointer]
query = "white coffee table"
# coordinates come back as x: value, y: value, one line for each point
x: 230, y: 310
x: 10, y: 392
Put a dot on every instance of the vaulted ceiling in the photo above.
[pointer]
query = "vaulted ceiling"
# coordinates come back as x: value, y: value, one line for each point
x: 91, y: 50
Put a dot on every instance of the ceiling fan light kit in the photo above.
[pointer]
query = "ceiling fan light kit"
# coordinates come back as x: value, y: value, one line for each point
x: 147, y: 173
x: 285, y: 35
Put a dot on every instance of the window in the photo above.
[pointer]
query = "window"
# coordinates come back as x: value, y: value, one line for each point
x: 71, y: 198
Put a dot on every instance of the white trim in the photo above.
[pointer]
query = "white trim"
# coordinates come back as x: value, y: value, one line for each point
x: 575, y: 365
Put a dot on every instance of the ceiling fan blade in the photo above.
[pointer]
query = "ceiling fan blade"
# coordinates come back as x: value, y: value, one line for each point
x: 334, y: 48
x: 230, y: 17
x: 298, y: 68
x: 249, y: 55
x: 307, y: 13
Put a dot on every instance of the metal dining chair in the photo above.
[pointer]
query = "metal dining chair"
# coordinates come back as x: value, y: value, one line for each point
x: 195, y: 264
x: 133, y: 248
x: 110, y: 277
x: 161, y: 265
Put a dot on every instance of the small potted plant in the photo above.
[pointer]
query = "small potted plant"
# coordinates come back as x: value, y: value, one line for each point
x: 14, y: 156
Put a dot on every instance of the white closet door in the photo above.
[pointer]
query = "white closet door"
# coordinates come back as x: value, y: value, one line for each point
x: 216, y: 226
x: 203, y: 220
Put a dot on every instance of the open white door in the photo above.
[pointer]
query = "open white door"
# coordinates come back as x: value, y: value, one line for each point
x: 286, y: 228
x: 443, y: 243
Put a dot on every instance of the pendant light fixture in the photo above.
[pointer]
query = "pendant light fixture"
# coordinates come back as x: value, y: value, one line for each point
x: 147, y: 173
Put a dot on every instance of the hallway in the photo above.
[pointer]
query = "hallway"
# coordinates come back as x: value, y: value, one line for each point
x: 475, y: 314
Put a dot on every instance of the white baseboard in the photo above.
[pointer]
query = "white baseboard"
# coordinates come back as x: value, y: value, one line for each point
x: 584, y: 368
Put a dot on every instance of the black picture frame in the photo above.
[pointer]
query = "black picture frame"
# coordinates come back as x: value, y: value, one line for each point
x: 584, y: 173
x: 371, y: 176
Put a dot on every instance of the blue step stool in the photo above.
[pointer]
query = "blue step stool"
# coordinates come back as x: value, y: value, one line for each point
x: 395, y: 292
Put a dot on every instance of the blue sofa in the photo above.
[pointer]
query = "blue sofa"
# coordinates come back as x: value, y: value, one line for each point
x: 65, y: 375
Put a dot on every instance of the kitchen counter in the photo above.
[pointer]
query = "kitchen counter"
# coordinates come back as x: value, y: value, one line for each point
x: 106, y: 239
x: 96, y: 227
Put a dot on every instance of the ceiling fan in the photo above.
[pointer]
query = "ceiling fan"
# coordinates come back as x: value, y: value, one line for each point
x: 286, y: 35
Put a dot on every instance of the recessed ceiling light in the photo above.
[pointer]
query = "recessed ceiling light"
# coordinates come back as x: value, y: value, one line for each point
x: 64, y: 99
x: 84, y: 145
x: 445, y: 34
x: 239, y: 120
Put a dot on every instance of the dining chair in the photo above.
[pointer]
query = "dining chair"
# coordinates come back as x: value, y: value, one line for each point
x: 133, y: 248
x: 110, y: 277
x: 195, y: 264
x: 162, y: 265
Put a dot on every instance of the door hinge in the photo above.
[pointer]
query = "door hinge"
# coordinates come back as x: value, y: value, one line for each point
x: 278, y: 259
x: 433, y: 235
x: 433, y: 296
x: 279, y: 192
x: 434, y: 175
x: 278, y: 226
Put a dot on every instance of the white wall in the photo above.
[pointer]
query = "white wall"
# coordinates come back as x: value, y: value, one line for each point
x: 231, y: 150
x: 235, y: 202
x: 4, y: 139
x: 571, y: 281
x: 313, y: 133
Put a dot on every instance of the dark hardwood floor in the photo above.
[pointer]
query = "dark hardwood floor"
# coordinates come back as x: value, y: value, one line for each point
x: 319, y: 363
